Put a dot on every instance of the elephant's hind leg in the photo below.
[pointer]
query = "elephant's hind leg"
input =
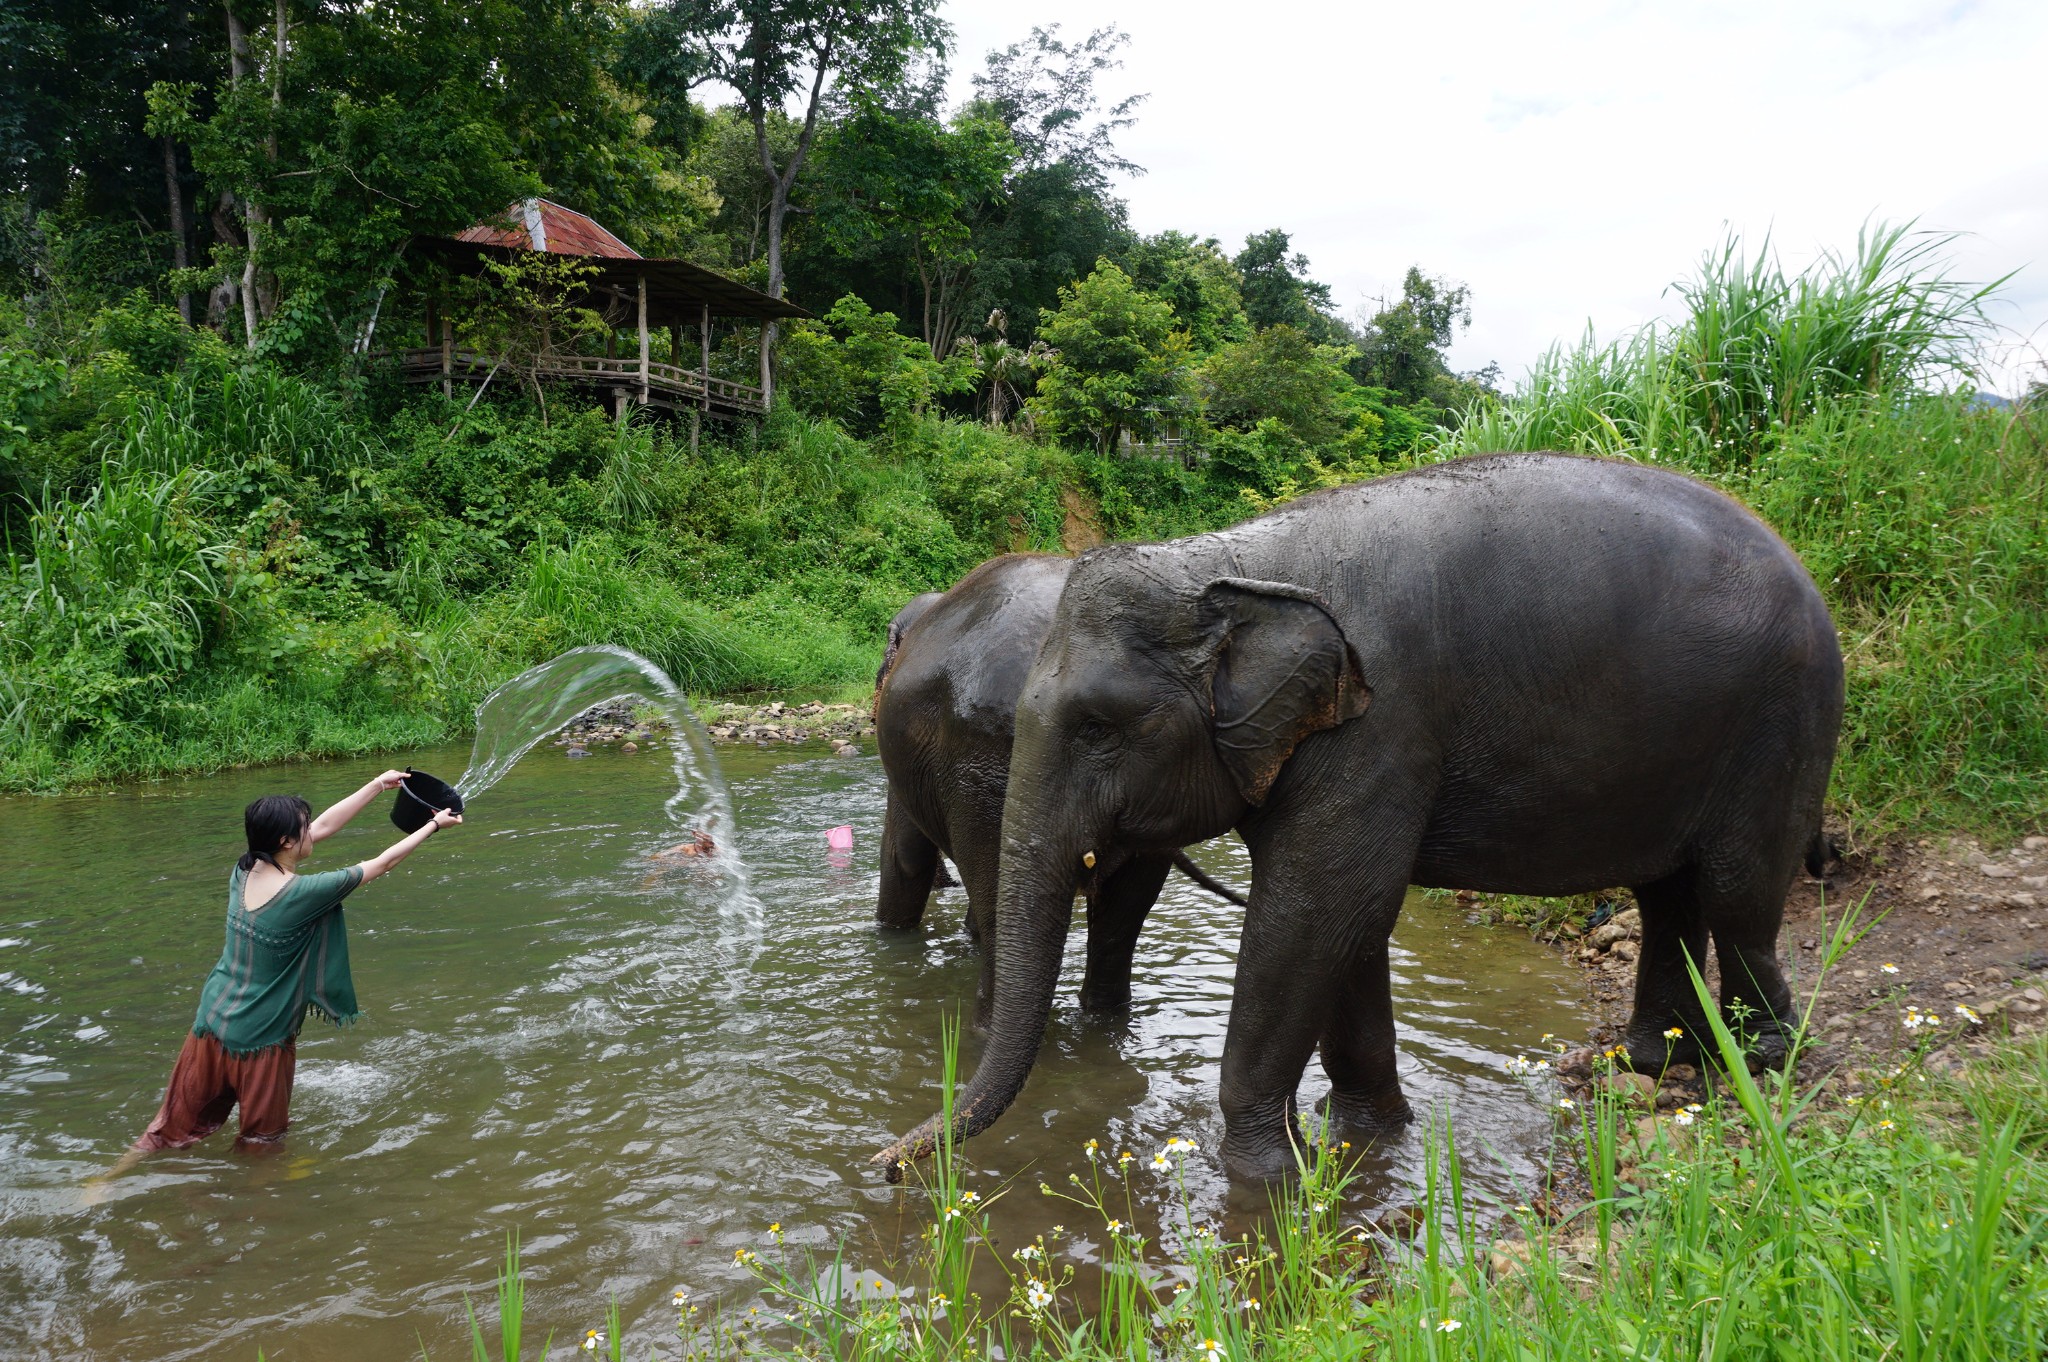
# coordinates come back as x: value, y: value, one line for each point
x: 1744, y: 920
x: 1365, y: 1102
x: 1739, y: 903
x: 1674, y: 932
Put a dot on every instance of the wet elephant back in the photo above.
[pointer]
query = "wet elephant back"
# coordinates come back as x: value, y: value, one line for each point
x: 1564, y: 649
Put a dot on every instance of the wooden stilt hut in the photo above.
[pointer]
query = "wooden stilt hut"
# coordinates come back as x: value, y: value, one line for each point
x: 626, y: 289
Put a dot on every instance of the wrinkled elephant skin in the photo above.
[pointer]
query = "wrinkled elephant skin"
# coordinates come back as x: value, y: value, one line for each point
x: 1523, y: 673
x: 945, y: 711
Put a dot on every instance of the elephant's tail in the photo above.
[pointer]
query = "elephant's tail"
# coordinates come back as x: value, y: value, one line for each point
x: 1201, y: 877
x: 1819, y: 852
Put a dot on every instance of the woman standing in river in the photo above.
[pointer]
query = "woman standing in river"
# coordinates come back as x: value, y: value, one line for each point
x: 286, y: 955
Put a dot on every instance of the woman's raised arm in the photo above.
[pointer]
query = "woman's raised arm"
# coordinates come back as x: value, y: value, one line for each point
x: 336, y: 818
x: 399, y: 850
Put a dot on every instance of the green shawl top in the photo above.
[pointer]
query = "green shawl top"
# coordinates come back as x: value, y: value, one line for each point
x: 286, y: 959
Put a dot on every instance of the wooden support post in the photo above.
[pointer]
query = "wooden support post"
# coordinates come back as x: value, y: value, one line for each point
x: 447, y: 357
x: 767, y: 366
x: 675, y: 345
x: 643, y: 339
x: 704, y: 388
x: 696, y: 421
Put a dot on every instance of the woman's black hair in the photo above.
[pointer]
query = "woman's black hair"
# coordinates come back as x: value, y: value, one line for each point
x: 270, y: 822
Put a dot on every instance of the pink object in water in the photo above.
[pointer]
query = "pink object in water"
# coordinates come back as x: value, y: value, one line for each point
x: 840, y: 838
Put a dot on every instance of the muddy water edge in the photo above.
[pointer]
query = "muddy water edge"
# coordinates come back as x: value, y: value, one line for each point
x: 563, y: 1037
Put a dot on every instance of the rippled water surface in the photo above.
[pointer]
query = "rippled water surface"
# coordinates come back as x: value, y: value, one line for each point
x: 564, y: 1038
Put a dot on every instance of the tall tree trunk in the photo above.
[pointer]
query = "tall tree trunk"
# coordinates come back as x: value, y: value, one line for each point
x: 174, y: 192
x: 267, y: 299
x: 239, y: 63
x: 782, y: 181
x: 222, y: 298
x: 924, y: 284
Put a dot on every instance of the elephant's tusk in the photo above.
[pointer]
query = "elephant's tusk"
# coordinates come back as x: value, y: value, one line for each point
x: 1088, y: 859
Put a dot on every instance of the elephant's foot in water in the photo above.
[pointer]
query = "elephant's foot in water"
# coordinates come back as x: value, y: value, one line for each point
x: 1362, y: 1119
x: 1269, y: 1148
x: 1110, y: 996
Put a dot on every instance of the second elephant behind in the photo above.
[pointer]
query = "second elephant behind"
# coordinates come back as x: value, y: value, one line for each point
x: 945, y: 717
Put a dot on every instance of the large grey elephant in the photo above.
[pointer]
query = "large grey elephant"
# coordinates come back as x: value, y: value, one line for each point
x: 945, y: 715
x: 1526, y: 673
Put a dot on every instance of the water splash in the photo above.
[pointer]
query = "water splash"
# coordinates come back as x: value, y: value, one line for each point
x: 532, y: 706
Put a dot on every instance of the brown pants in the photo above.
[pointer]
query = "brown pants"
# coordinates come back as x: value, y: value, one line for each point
x: 207, y: 1082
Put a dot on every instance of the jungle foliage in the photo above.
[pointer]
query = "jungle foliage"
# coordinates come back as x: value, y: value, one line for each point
x: 231, y: 535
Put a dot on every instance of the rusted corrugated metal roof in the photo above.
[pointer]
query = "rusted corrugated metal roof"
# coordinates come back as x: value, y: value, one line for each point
x: 677, y: 291
x: 544, y: 225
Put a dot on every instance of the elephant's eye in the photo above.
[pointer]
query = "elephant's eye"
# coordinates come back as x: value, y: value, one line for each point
x: 1095, y: 732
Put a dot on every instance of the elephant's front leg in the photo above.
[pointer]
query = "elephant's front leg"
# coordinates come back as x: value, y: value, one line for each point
x: 1365, y: 1102
x: 910, y: 861
x: 1325, y: 894
x: 1116, y: 914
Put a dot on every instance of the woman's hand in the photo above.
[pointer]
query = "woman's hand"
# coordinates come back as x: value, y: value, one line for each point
x: 391, y: 780
x: 398, y: 851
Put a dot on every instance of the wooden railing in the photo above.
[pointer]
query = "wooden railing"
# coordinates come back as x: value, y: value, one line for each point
x: 667, y: 384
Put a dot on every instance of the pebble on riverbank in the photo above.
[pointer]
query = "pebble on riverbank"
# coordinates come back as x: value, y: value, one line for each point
x: 774, y: 722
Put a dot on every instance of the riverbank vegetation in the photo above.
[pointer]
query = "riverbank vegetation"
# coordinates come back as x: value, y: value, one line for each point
x: 1884, y: 1215
x: 232, y: 535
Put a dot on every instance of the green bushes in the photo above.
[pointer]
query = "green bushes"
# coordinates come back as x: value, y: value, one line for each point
x: 192, y: 533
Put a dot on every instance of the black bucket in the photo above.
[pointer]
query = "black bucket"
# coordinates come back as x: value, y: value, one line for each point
x: 420, y: 797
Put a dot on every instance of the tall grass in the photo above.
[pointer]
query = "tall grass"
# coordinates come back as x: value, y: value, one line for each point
x: 111, y: 594
x: 1816, y: 399
x: 256, y: 421
x: 1756, y: 352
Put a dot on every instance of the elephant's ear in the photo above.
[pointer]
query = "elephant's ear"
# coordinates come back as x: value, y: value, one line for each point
x: 905, y: 617
x: 1283, y: 670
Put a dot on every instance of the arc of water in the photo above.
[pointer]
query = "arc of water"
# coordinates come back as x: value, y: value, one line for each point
x: 518, y: 715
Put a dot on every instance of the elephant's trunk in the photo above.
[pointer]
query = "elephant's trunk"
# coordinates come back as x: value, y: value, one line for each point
x: 1034, y: 910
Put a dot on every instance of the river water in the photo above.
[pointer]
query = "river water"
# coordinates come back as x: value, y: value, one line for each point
x: 564, y: 1038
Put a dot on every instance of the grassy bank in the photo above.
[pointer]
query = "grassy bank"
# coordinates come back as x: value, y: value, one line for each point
x: 213, y: 562
x: 1880, y: 1216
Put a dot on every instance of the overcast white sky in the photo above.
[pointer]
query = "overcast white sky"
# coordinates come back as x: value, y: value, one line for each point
x: 1568, y: 160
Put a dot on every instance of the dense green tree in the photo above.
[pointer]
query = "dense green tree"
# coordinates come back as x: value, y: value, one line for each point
x: 73, y: 143
x: 913, y: 189
x: 1060, y: 213
x: 1116, y: 363
x: 1198, y: 279
x: 1277, y: 289
x: 1402, y: 348
x: 1276, y: 374
x: 858, y: 368
x: 725, y: 160
x: 1050, y: 230
x: 1043, y: 90
x: 775, y: 51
